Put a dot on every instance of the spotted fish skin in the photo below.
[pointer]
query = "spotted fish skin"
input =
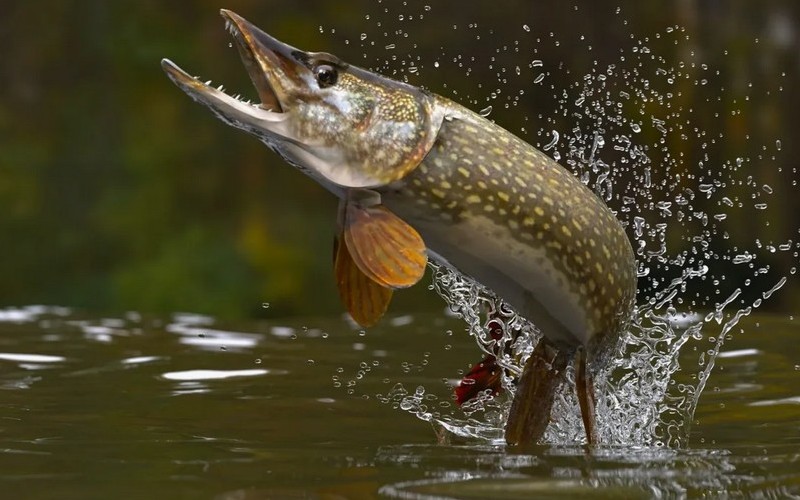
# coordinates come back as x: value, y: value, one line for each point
x: 507, y: 215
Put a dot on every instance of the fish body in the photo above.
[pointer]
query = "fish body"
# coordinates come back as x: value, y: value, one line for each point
x: 417, y: 175
x: 507, y: 215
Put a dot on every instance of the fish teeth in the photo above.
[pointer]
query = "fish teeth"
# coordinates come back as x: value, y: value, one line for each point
x: 221, y: 88
x: 231, y: 28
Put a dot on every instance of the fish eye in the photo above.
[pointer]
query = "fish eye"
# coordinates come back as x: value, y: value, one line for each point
x: 326, y: 75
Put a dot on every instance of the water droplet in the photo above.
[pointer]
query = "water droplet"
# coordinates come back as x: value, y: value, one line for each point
x: 550, y: 145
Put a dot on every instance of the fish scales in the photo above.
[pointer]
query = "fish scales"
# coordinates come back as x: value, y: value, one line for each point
x: 478, y: 171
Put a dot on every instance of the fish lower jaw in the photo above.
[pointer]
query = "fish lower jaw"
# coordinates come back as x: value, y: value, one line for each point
x: 216, y: 98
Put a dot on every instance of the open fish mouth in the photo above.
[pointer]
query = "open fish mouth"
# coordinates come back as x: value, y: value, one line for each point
x: 263, y: 56
x: 272, y: 66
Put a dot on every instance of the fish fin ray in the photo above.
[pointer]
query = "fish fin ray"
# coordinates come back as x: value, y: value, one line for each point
x: 383, y: 246
x: 365, y: 300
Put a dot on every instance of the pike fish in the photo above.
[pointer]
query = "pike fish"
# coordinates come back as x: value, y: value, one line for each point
x: 420, y: 176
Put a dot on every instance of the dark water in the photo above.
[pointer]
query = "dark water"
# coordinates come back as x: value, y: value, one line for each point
x: 187, y: 407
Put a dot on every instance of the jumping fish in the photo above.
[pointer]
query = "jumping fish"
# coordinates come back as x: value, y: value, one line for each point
x: 418, y: 175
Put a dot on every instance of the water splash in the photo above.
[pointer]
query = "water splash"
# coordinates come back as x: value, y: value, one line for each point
x: 626, y: 131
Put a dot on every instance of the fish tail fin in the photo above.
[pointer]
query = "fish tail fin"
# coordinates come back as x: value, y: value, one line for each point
x: 584, y: 386
x: 541, y: 377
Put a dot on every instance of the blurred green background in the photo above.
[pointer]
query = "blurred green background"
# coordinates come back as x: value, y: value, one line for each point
x: 119, y: 193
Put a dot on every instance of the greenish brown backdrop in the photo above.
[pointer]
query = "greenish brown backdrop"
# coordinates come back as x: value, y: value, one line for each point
x: 119, y: 193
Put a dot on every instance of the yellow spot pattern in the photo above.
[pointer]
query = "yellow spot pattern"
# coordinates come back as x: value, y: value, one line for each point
x: 477, y: 166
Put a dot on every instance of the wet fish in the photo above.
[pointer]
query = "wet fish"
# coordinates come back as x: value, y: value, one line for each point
x: 419, y: 175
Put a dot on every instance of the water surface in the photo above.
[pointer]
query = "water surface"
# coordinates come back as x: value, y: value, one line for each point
x: 188, y: 407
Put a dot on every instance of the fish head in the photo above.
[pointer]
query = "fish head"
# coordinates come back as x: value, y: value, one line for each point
x: 342, y: 125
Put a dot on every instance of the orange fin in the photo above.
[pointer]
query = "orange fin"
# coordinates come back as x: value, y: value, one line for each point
x: 384, y: 247
x: 364, y: 299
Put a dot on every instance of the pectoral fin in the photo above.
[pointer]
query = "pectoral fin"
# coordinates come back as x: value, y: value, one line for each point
x: 364, y: 299
x: 384, y: 247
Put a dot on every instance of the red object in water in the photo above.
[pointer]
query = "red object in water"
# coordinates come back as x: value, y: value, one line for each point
x: 482, y: 376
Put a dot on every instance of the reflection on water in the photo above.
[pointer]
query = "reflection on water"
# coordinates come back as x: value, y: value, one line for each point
x: 27, y: 360
x: 270, y: 411
x: 629, y: 474
x: 195, y: 375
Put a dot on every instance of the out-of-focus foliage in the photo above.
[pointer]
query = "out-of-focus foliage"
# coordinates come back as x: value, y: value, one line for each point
x: 118, y: 192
